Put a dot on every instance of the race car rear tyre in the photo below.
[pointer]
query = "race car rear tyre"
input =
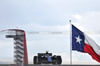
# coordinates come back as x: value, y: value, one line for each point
x: 35, y: 60
x: 59, y: 60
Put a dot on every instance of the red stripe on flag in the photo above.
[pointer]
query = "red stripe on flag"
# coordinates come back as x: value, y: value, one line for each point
x: 88, y: 49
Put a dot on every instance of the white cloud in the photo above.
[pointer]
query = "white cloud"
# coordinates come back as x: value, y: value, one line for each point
x: 78, y: 17
x: 6, y: 61
x: 90, y: 21
x: 38, y: 27
x: 82, y: 58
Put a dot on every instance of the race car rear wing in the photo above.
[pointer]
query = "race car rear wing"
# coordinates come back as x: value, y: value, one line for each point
x: 43, y: 54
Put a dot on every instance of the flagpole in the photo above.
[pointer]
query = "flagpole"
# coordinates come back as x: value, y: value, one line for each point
x: 70, y: 42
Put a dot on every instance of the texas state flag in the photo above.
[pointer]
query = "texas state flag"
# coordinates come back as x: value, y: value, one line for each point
x: 82, y: 43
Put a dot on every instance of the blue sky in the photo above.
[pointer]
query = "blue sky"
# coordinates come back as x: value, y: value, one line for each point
x: 49, y: 16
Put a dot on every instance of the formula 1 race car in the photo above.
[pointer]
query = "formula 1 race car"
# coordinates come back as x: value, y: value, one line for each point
x: 47, y: 58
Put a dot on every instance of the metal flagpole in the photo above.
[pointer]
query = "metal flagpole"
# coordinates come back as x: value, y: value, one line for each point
x: 70, y: 42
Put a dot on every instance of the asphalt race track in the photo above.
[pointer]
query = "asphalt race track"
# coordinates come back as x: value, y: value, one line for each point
x: 44, y: 65
x: 61, y: 65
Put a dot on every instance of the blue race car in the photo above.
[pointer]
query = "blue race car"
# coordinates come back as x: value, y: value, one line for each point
x: 47, y: 58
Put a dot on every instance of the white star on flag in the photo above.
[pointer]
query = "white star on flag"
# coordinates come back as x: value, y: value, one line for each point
x: 78, y: 39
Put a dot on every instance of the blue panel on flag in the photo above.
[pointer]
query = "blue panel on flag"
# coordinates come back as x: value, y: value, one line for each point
x: 77, y: 39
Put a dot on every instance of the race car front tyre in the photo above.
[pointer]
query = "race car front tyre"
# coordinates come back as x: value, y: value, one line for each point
x: 59, y: 60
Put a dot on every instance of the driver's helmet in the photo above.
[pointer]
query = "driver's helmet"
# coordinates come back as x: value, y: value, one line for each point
x: 46, y: 52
